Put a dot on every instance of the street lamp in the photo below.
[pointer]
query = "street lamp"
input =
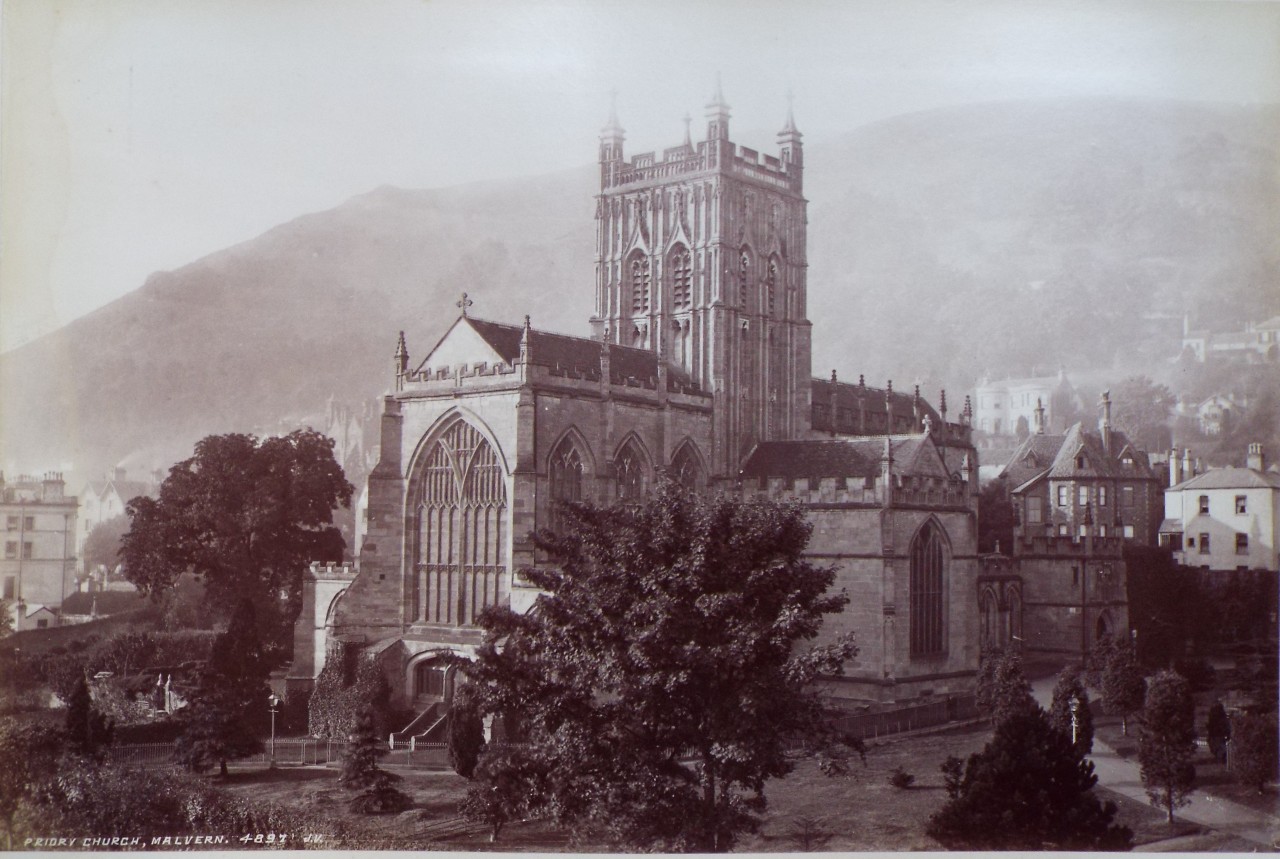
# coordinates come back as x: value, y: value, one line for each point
x: 273, y: 705
x: 1074, y: 704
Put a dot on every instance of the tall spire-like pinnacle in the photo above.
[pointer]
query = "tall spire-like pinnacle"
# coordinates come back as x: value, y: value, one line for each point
x: 717, y: 115
x: 790, y: 127
x: 717, y: 98
x: 612, y: 127
x: 688, y: 140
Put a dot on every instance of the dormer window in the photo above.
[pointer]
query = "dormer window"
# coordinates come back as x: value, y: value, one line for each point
x: 1080, y: 461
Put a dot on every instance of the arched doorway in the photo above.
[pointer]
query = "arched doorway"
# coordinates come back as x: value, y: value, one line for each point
x: 433, y: 680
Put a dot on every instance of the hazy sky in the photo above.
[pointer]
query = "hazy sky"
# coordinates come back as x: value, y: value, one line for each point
x: 139, y: 135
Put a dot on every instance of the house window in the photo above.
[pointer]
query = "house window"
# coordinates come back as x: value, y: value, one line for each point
x: 1034, y: 512
x: 1204, y: 505
x: 1128, y: 532
x: 1082, y: 495
x: 928, y: 608
x: 1204, y: 544
x: 1191, y: 542
x: 1126, y: 496
x: 26, y: 551
x: 1084, y: 530
x: 11, y: 548
x: 11, y: 523
x: 10, y: 587
x: 1242, y: 544
x: 1242, y: 504
x: 1102, y: 496
x: 1062, y: 530
x: 42, y: 623
x: 1064, y: 495
x: 1102, y: 530
x: 1079, y: 462
x: 29, y: 523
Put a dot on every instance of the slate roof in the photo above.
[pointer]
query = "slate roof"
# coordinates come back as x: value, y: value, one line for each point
x: 1232, y: 477
x: 1056, y: 455
x: 1033, y: 457
x: 109, y: 602
x: 841, y: 458
x: 847, y: 397
x: 575, y: 355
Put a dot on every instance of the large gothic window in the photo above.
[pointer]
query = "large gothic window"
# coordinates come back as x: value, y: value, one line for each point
x: 566, y: 478
x: 639, y: 268
x: 629, y: 468
x: 681, y: 279
x: 928, y: 601
x: 461, y: 508
x: 686, y: 468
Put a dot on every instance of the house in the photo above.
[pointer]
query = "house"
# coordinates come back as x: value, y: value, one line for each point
x: 699, y: 366
x: 1216, y: 414
x: 39, y: 522
x: 1224, y: 519
x: 1257, y: 342
x: 1007, y: 407
x: 102, y: 500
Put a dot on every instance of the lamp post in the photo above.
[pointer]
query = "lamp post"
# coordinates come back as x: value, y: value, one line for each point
x: 1074, y: 704
x: 273, y: 704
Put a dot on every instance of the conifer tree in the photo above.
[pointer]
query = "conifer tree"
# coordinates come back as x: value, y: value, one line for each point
x: 1167, y: 742
x: 1070, y: 686
x: 85, y: 728
x: 1002, y: 689
x: 1123, y: 686
x: 1217, y: 729
x: 465, y: 739
x: 1027, y: 789
x: 360, y: 770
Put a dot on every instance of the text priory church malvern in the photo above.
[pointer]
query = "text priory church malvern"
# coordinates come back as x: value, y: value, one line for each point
x: 698, y: 363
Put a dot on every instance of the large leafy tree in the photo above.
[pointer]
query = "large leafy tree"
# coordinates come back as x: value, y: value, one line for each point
x: 1027, y: 789
x: 28, y: 758
x: 1003, y: 690
x: 246, y: 515
x: 1070, y: 686
x: 996, y: 518
x: 660, y: 680
x: 1253, y: 749
x: 1167, y: 742
x: 1142, y: 409
x: 102, y: 546
x: 86, y: 730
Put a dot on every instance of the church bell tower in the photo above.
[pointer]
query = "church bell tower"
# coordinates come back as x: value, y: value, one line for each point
x: 700, y: 257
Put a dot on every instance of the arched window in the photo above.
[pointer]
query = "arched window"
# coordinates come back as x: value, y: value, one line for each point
x: 686, y: 468
x: 629, y: 469
x: 461, y: 509
x: 1015, y: 613
x: 771, y: 286
x: 681, y: 279
x: 744, y: 279
x: 928, y: 604
x: 990, y: 612
x: 639, y: 266
x: 566, y: 478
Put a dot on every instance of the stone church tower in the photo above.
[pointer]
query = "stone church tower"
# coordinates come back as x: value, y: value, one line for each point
x: 700, y: 258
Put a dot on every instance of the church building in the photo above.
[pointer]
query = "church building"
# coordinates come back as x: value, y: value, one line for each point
x: 698, y: 364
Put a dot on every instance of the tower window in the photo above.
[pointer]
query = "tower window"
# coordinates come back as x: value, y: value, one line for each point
x: 744, y: 279
x: 640, y: 284
x: 681, y: 280
x: 771, y: 286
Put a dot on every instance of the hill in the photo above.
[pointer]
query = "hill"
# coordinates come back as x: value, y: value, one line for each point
x: 942, y: 244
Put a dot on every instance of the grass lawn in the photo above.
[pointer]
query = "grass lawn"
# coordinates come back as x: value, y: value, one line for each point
x: 860, y: 812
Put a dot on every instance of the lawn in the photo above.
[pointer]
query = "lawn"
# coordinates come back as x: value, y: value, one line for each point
x: 859, y: 812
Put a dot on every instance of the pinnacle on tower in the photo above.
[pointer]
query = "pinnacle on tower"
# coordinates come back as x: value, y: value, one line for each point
x: 612, y: 135
x: 717, y: 115
x: 790, y: 126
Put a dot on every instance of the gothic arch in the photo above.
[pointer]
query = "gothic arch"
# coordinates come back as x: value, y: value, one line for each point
x: 1104, y: 627
x: 688, y: 466
x: 574, y: 436
x: 638, y: 277
x: 633, y: 468
x: 989, y: 619
x: 1013, y: 599
x: 441, y: 426
x: 457, y: 529
x: 569, y: 468
x: 679, y: 276
x: 929, y: 559
x: 418, y: 671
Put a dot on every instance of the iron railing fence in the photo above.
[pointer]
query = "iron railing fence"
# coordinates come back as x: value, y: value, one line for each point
x: 291, y: 751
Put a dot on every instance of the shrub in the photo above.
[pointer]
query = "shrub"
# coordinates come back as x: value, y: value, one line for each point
x: 1199, y: 673
x: 901, y: 779
x: 1168, y: 742
x: 1253, y: 749
x: 348, y: 681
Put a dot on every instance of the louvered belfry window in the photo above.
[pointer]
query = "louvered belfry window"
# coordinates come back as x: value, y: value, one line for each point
x: 928, y: 602
x: 681, y: 279
x: 461, y: 511
x: 639, y: 284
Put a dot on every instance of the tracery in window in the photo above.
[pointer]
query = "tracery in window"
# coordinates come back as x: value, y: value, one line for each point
x: 681, y: 279
x: 928, y: 604
x: 686, y: 468
x: 639, y: 267
x: 566, y: 479
x: 460, y: 511
x: 629, y: 470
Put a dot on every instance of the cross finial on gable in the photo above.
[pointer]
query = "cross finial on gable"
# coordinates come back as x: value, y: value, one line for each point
x: 464, y: 303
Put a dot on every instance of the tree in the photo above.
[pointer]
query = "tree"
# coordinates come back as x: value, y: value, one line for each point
x: 247, y: 516
x: 6, y: 618
x: 1028, y: 789
x: 996, y: 518
x: 1217, y: 729
x: 1253, y: 749
x: 659, y: 677
x: 28, y: 757
x: 1095, y: 662
x: 360, y: 770
x: 1123, y: 686
x: 1167, y: 742
x: 86, y: 730
x: 1141, y: 409
x: 1003, y: 690
x: 229, y: 705
x: 1069, y: 686
x: 465, y: 739
x: 102, y: 546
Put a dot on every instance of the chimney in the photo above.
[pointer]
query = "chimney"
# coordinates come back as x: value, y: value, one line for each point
x: 118, y: 473
x: 1188, y: 469
x: 1039, y: 416
x: 1105, y: 426
x: 1256, y: 459
x: 1175, y: 470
